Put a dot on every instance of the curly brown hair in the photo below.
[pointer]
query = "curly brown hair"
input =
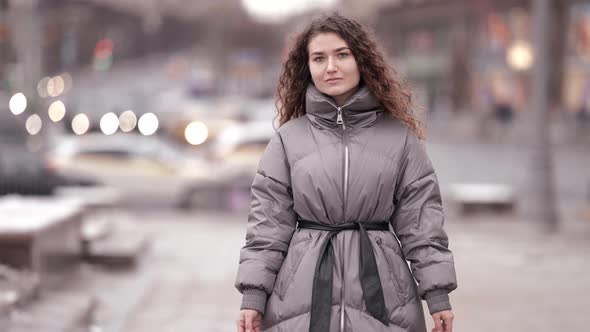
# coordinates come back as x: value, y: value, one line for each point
x: 381, y: 79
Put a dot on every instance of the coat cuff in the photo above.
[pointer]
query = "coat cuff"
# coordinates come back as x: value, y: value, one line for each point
x: 254, y: 299
x: 437, y: 300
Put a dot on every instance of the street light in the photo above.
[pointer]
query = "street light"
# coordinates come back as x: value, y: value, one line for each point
x: 272, y: 11
x: 520, y: 55
x: 541, y: 175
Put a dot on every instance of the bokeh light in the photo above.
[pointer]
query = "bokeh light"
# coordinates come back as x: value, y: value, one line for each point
x: 57, y: 111
x: 109, y: 123
x: 271, y: 11
x: 17, y: 103
x: 148, y: 124
x: 196, y: 133
x: 34, y: 124
x: 80, y: 124
x: 127, y: 121
x: 520, y: 55
x: 55, y: 86
x: 42, y: 87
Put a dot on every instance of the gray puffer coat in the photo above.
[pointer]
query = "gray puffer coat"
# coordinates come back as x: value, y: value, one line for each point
x: 345, y: 165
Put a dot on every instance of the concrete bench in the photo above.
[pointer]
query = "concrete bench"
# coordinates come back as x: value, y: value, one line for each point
x: 109, y: 237
x: 46, y: 236
x: 99, y: 203
x: 41, y: 235
x: 120, y: 250
x: 473, y: 197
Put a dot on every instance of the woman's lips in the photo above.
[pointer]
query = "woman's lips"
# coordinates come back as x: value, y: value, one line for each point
x: 333, y: 80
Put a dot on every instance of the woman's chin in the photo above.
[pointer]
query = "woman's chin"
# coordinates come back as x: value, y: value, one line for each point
x: 333, y: 91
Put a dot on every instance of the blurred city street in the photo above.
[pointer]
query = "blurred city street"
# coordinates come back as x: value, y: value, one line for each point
x: 131, y: 131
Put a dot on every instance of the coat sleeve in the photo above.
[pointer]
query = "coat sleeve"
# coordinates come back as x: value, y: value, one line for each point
x: 271, y: 223
x: 418, y: 223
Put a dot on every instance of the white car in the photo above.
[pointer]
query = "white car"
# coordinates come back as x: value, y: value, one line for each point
x: 146, y: 169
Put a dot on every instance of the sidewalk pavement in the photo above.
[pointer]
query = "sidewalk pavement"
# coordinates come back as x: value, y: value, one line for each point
x: 515, y: 277
x: 512, y: 277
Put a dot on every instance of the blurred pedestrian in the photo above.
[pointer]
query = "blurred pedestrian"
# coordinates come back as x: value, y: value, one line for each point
x: 503, y: 111
x: 345, y: 165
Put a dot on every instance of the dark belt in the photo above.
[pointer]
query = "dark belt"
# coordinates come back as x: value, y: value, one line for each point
x: 321, y: 299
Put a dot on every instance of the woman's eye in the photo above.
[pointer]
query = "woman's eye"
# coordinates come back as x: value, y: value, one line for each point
x: 342, y: 55
x: 318, y: 59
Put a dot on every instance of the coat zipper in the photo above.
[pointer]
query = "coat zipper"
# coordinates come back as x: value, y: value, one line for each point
x: 340, y: 121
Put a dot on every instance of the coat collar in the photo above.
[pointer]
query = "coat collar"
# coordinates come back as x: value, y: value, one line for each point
x: 360, y: 110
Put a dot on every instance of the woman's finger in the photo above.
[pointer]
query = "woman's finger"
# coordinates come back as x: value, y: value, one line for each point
x: 249, y: 327
x: 242, y: 322
x: 437, y: 323
x: 448, y: 323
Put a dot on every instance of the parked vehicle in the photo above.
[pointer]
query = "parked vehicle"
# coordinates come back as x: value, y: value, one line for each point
x: 22, y: 171
x: 238, y: 150
x: 146, y: 169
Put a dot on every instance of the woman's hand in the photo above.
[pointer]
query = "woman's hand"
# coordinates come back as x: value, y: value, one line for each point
x: 443, y: 321
x: 249, y: 321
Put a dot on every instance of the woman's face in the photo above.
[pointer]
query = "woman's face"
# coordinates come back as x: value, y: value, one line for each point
x: 333, y: 68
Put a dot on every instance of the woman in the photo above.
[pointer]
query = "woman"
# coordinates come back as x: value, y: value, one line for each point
x: 345, y: 165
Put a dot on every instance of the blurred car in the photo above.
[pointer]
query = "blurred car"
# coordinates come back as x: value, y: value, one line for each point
x: 23, y: 172
x: 146, y: 169
x: 234, y: 156
x: 182, y: 108
x: 259, y: 110
x: 238, y: 150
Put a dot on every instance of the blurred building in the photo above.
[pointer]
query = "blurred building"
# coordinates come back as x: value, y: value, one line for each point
x: 474, y: 54
x: 459, y: 54
x: 72, y: 34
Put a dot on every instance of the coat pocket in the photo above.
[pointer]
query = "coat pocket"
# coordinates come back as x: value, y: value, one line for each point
x: 290, y: 265
x: 397, y: 266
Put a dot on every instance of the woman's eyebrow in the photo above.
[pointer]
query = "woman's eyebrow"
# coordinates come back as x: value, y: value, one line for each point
x: 336, y: 50
x: 341, y: 49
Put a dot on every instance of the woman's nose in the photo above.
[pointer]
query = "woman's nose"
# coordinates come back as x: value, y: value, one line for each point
x: 331, y: 65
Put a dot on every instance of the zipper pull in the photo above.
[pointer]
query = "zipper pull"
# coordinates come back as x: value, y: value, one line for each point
x: 339, y: 118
